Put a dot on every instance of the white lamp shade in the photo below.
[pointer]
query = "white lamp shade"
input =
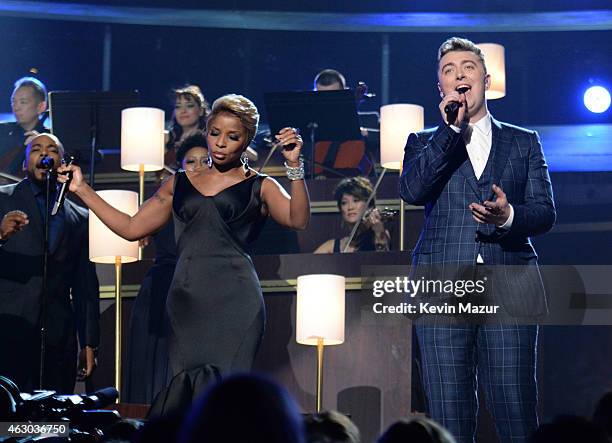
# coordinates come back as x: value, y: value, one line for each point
x: 142, y: 139
x: 320, y: 309
x: 396, y: 123
x: 496, y: 66
x: 104, y: 244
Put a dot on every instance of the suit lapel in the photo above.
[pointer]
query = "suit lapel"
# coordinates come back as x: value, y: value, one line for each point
x: 501, y: 146
x: 467, y: 171
x: 27, y: 203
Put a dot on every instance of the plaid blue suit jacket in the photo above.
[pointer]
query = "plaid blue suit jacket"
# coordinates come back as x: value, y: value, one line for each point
x: 438, y: 174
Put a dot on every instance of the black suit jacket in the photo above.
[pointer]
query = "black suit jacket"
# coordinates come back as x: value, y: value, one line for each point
x: 73, y: 288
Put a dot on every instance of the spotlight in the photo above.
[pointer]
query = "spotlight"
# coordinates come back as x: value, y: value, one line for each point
x: 597, y: 99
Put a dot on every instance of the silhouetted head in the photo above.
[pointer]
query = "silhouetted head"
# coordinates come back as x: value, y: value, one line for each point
x: 603, y: 413
x: 244, y: 408
x: 417, y: 430
x: 569, y: 429
x: 330, y: 427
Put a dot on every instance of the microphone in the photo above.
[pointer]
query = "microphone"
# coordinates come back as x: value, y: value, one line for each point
x: 452, y: 107
x: 46, y: 162
x: 61, y: 195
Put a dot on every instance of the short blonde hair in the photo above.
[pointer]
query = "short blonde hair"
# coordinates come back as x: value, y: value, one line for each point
x: 240, y: 107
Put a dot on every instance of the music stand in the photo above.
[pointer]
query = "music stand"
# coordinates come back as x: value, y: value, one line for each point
x: 86, y: 121
x: 324, y: 115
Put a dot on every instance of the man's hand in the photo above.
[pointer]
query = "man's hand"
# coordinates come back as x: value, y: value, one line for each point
x: 492, y: 212
x: 461, y: 114
x: 87, y: 363
x: 12, y: 222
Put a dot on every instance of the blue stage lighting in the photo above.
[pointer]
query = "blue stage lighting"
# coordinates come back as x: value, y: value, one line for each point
x: 597, y: 99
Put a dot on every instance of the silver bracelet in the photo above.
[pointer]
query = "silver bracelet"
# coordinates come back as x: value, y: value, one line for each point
x: 295, y: 172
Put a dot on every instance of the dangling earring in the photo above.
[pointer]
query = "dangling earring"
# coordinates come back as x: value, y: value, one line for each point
x: 209, y: 161
x: 245, y: 163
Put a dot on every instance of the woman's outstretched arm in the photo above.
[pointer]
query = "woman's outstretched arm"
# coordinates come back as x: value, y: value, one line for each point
x: 151, y: 216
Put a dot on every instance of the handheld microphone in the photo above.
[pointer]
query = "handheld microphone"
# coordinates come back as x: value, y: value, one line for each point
x: 61, y: 195
x: 452, y: 107
x: 46, y: 162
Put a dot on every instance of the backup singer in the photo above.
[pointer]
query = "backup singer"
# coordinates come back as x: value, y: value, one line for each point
x: 70, y: 276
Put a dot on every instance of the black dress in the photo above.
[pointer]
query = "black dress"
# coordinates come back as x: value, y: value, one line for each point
x: 215, y: 305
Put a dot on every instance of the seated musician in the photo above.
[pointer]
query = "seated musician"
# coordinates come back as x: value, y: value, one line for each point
x: 371, y: 235
x: 28, y: 103
x: 329, y: 80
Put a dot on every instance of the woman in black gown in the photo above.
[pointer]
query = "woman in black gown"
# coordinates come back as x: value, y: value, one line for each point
x: 146, y: 370
x: 215, y: 304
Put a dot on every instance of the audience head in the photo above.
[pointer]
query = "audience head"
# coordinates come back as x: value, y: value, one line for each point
x: 239, y: 107
x: 416, y: 430
x: 28, y: 101
x: 569, y: 429
x: 43, y: 145
x: 192, y: 152
x: 244, y: 408
x: 351, y: 195
x: 329, y: 80
x: 603, y: 413
x: 330, y: 427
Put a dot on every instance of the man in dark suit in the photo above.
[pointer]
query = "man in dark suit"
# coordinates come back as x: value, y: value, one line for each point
x: 72, y: 290
x: 28, y: 102
x: 486, y: 190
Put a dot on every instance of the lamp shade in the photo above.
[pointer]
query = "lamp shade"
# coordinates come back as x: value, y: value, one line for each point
x: 320, y: 309
x: 496, y: 66
x: 396, y: 123
x: 142, y: 139
x: 104, y: 244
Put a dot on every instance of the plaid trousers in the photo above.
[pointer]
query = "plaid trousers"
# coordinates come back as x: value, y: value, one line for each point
x: 457, y: 358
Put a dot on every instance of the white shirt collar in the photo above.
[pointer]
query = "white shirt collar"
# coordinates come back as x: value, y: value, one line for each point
x: 484, y: 124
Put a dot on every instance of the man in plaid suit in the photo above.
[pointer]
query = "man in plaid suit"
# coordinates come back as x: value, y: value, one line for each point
x: 486, y: 190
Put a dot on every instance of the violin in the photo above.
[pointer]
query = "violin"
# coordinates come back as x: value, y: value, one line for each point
x: 386, y: 214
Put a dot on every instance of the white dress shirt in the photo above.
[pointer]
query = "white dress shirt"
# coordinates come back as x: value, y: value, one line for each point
x: 478, y: 140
